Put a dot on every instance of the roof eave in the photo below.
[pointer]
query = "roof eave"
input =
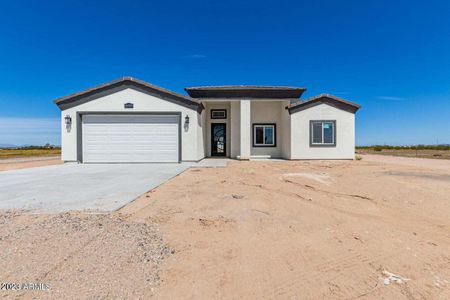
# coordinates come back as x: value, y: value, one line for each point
x: 247, y: 92
x: 323, y: 98
x: 127, y: 81
x: 244, y: 87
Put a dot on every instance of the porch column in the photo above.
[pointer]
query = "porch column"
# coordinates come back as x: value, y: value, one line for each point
x: 246, y: 135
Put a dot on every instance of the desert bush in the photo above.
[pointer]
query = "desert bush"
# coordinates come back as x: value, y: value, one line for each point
x: 415, y: 147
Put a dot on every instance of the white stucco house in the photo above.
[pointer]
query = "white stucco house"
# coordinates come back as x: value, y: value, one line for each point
x: 129, y: 120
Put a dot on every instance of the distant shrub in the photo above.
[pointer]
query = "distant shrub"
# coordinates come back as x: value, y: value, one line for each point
x: 33, y: 147
x: 416, y: 147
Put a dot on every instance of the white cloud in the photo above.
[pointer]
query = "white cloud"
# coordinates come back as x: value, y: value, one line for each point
x: 30, y: 131
x: 391, y: 98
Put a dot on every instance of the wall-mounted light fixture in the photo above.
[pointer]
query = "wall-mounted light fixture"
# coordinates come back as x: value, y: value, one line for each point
x: 186, y: 123
x: 68, y: 120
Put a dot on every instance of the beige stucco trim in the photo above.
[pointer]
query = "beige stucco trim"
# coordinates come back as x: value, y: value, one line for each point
x: 245, y: 132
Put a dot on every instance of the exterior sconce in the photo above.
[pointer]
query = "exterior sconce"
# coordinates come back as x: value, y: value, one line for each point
x: 68, y: 120
x: 186, y: 123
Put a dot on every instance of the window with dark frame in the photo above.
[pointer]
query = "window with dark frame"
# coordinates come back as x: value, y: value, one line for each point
x: 218, y: 113
x: 264, y: 135
x: 323, y: 133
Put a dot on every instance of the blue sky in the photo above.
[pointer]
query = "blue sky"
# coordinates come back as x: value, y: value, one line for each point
x: 392, y: 57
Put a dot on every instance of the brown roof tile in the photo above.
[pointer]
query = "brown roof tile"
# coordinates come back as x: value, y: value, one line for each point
x: 73, y: 99
x: 323, y: 98
x: 245, y: 91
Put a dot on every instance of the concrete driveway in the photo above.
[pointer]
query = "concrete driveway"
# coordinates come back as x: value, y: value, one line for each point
x: 99, y: 187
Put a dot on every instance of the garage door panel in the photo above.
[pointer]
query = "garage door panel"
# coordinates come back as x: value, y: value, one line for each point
x: 134, y: 157
x: 132, y: 148
x: 130, y: 119
x: 136, y: 138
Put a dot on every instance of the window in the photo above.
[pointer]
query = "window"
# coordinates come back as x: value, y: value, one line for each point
x: 264, y: 135
x: 322, y: 133
x: 218, y: 113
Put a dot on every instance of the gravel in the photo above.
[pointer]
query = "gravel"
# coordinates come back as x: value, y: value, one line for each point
x: 80, y: 255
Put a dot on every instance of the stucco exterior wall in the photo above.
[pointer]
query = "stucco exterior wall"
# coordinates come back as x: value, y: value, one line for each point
x: 204, y: 139
x: 265, y: 111
x: 246, y: 129
x: 235, y: 120
x: 285, y: 132
x: 191, y: 136
x: 300, y: 133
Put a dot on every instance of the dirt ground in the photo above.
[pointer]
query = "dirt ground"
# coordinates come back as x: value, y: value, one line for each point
x: 28, y: 162
x: 252, y: 230
x: 422, y: 153
x: 81, y: 256
x: 304, y: 230
x: 29, y: 152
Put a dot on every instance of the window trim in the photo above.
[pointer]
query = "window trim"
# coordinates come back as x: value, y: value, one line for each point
x: 218, y: 110
x: 311, y: 144
x: 254, y: 125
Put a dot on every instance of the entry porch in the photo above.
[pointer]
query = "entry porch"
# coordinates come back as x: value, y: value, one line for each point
x: 245, y: 129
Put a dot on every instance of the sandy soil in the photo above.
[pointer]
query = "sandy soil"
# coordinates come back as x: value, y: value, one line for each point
x: 423, y: 163
x: 81, y: 256
x: 422, y: 153
x: 303, y: 230
x: 28, y: 162
x: 252, y: 230
x: 28, y: 152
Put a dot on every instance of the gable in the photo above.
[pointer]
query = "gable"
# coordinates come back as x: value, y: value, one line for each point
x: 123, y: 84
x: 137, y: 102
x: 324, y: 99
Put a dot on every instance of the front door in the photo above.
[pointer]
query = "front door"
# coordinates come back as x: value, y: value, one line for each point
x: 218, y: 139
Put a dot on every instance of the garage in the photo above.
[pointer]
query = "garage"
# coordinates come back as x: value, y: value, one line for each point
x: 130, y: 121
x: 130, y: 138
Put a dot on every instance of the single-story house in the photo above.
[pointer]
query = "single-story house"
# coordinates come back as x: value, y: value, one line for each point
x: 129, y: 120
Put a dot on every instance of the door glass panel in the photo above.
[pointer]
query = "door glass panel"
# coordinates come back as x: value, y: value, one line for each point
x: 218, y: 139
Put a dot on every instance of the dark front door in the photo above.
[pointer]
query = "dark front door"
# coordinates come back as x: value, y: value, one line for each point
x: 218, y: 139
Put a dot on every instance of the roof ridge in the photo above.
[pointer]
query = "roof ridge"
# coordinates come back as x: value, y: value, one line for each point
x: 322, y: 96
x: 117, y: 82
x: 123, y: 79
x: 161, y: 88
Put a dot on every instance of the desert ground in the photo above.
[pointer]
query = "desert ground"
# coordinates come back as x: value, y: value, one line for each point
x: 374, y: 228
x: 29, y: 152
x: 15, y: 163
x: 422, y: 153
x: 22, y: 158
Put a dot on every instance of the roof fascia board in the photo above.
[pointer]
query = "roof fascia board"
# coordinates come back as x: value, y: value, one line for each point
x: 324, y: 100
x: 114, y: 87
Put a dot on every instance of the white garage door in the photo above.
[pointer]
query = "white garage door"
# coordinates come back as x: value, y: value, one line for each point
x: 130, y: 138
